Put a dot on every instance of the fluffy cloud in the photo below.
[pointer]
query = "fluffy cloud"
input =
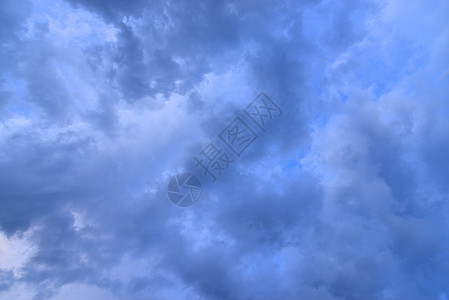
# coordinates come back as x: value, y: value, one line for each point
x: 343, y: 197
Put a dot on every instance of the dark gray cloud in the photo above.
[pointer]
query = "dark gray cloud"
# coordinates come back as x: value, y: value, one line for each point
x: 343, y: 196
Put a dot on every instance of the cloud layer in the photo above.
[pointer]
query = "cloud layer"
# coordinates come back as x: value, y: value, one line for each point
x: 342, y: 197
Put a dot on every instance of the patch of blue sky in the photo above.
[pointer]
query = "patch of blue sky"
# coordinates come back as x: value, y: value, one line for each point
x: 17, y: 89
x: 381, y: 69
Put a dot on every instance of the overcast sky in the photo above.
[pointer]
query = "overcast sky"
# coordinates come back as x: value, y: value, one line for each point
x: 343, y: 196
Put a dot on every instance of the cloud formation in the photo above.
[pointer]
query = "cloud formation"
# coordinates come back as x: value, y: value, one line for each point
x: 342, y: 197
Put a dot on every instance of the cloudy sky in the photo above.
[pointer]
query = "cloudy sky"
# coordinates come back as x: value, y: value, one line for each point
x: 343, y: 196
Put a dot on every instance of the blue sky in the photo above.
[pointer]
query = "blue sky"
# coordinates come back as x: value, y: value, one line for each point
x: 345, y: 196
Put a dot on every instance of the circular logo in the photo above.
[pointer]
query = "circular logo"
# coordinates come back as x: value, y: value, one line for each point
x: 184, y: 189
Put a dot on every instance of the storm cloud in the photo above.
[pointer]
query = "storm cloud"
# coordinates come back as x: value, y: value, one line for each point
x: 343, y: 196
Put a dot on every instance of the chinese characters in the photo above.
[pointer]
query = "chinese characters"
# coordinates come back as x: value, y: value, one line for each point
x: 236, y: 137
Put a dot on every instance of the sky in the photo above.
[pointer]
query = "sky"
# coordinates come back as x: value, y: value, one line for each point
x: 344, y: 195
